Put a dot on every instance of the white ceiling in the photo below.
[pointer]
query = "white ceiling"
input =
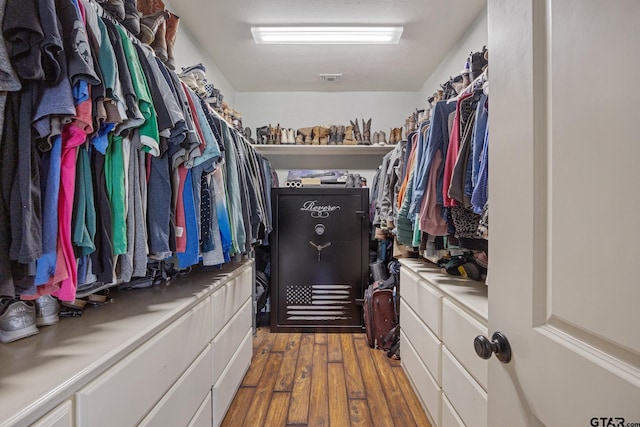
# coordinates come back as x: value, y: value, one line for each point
x: 431, y: 28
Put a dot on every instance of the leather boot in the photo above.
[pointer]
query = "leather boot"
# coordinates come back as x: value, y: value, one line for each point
x: 339, y: 134
x: 132, y: 17
x: 333, y: 135
x: 382, y: 138
x: 149, y: 25
x: 316, y: 135
x: 356, y: 132
x: 271, y: 135
x: 324, y: 133
x: 278, y: 135
x: 147, y: 7
x: 478, y: 60
x: 114, y: 7
x: 291, y: 136
x: 172, y: 32
x: 262, y: 133
x: 306, y: 134
x: 366, y: 132
x: 376, y: 137
x: 299, y: 138
x: 348, y: 136
x: 392, y: 136
x: 159, y: 44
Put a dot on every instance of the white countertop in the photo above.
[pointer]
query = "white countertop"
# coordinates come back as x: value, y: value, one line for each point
x: 39, y: 372
x: 468, y: 293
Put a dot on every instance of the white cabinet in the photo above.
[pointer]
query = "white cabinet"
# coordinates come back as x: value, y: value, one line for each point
x: 163, y: 356
x: 146, y: 375
x: 440, y: 316
x: 62, y: 416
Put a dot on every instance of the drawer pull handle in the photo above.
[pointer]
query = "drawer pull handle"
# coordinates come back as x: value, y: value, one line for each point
x: 499, y: 345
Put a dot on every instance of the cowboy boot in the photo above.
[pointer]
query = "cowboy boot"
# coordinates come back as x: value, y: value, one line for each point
x: 356, y: 131
x: 172, y: 32
x: 306, y: 135
x: 115, y: 8
x: 147, y: 7
x: 262, y: 134
x: 316, y: 135
x: 339, y: 134
x: 333, y: 135
x: 132, y: 17
x: 291, y: 136
x: 278, y: 135
x: 348, y: 136
x: 149, y: 25
x: 325, y: 131
x: 478, y: 60
x: 271, y: 135
x: 376, y: 137
x: 366, y: 132
x: 299, y: 138
x: 382, y: 138
x: 159, y: 44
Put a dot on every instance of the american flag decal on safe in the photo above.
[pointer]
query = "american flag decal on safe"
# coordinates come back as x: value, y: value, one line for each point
x: 318, y: 302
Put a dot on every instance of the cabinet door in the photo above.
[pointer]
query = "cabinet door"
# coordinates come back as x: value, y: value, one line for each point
x: 62, y: 416
x: 564, y: 152
x: 319, y: 257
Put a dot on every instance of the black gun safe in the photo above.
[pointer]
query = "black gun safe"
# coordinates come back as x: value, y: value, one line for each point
x: 319, y: 258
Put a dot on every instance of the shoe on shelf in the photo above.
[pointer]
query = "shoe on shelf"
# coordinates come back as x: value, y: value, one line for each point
x: 376, y: 138
x: 149, y: 26
x: 382, y: 138
x: 198, y: 70
x: 17, y: 320
x: 47, y: 309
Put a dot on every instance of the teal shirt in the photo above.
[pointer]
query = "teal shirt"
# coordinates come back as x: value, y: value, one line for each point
x: 149, y: 134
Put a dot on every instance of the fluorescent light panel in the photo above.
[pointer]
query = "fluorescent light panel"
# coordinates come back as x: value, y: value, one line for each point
x: 326, y: 35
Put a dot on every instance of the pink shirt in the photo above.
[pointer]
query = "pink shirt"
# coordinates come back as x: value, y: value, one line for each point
x: 72, y: 137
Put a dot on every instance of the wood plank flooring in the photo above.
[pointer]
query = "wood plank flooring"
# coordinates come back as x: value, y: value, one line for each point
x: 320, y: 379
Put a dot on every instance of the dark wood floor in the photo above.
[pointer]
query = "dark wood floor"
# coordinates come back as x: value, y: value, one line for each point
x: 323, y: 380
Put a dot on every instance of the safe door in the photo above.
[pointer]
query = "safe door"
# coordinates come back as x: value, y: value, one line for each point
x: 318, y: 258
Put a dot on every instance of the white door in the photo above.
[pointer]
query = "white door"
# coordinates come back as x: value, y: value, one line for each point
x: 564, y: 224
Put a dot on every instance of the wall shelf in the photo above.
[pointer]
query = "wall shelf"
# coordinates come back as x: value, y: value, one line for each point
x: 354, y: 157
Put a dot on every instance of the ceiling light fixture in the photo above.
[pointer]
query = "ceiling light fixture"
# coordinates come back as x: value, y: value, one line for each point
x: 326, y: 35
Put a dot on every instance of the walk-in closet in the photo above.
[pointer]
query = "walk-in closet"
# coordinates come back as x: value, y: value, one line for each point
x: 319, y: 213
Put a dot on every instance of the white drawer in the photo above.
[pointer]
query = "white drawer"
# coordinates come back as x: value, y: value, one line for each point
x: 423, y: 298
x: 202, y: 418
x: 464, y: 393
x: 449, y: 416
x: 426, y: 344
x: 229, y: 338
x: 425, y: 385
x: 146, y: 374
x: 180, y: 403
x: 225, y: 388
x: 226, y: 300
x: 459, y: 330
x: 61, y: 416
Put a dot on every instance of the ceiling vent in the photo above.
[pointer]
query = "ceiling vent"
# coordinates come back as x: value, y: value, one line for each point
x: 331, y: 77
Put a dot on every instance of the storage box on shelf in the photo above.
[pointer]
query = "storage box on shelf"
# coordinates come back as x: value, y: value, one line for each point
x: 156, y: 356
x: 440, y: 316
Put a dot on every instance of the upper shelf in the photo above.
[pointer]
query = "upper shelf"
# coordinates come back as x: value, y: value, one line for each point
x: 290, y: 156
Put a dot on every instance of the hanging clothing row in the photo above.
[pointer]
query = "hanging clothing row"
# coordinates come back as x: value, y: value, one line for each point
x: 432, y: 189
x: 108, y: 160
